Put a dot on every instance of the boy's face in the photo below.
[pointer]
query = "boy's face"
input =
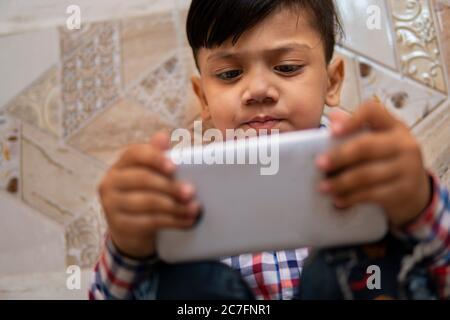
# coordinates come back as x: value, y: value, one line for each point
x: 274, y: 77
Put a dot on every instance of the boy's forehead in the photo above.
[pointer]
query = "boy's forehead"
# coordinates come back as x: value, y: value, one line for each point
x: 225, y: 52
x: 282, y: 30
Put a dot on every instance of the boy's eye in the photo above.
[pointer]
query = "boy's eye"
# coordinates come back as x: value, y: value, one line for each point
x: 229, y: 75
x: 288, y: 68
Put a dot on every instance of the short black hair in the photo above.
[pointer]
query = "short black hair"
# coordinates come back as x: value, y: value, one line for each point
x: 212, y: 22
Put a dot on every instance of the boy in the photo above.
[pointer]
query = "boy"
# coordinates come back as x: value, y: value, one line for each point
x: 267, y: 64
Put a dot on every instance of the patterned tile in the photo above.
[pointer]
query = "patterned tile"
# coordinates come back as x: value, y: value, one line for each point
x: 71, y: 40
x: 376, y: 43
x: 40, y: 104
x: 410, y: 101
x: 163, y: 90
x: 9, y: 154
x: 91, y: 77
x: 57, y: 180
x: 433, y: 134
x: 442, y: 8
x: 417, y: 42
x: 84, y: 237
x: 112, y: 134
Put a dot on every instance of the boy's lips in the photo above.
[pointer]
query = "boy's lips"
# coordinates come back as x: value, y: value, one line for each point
x: 263, y: 122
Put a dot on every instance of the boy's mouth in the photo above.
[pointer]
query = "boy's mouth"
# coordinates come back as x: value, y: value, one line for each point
x: 263, y: 122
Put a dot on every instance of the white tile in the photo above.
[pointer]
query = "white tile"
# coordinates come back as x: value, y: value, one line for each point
x: 405, y: 98
x: 24, y: 58
x: 350, y: 95
x: 43, y: 286
x: 29, y: 242
x: 377, y: 44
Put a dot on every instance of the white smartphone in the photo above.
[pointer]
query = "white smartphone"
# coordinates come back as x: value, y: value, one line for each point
x: 271, y: 205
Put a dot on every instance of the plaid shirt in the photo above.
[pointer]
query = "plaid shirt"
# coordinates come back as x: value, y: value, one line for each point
x: 276, y: 275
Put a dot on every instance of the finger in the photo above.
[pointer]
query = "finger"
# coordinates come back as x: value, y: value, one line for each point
x: 140, y: 225
x: 135, y: 179
x: 361, y: 177
x: 148, y: 203
x: 160, y: 140
x: 337, y: 118
x: 380, y: 194
x: 367, y: 146
x: 372, y: 115
x: 146, y: 155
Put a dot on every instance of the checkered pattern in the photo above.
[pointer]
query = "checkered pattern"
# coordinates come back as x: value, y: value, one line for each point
x: 271, y: 275
x: 432, y: 232
x: 115, y: 275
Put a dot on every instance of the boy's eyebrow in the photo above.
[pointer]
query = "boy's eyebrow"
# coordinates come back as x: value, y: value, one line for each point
x: 280, y: 49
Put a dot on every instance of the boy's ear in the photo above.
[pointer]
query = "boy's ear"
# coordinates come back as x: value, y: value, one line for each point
x: 198, y: 89
x: 336, y: 74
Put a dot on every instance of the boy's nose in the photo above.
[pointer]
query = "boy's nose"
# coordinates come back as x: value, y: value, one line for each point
x: 259, y: 91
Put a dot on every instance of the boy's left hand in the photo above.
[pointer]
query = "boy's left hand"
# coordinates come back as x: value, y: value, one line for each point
x: 383, y: 165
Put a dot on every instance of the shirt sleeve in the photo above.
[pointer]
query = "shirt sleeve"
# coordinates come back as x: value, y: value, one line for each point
x: 116, y: 276
x: 431, y: 234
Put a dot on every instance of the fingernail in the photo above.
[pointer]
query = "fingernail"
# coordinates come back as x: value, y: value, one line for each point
x: 337, y: 128
x: 339, y: 204
x: 187, y: 191
x: 323, y: 162
x: 324, y: 187
x: 169, y: 165
x: 193, y: 208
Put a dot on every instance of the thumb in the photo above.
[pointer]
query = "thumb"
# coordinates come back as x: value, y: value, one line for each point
x: 371, y: 115
x: 160, y: 140
x: 337, y: 118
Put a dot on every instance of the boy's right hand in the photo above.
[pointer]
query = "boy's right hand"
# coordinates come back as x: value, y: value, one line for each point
x: 140, y: 196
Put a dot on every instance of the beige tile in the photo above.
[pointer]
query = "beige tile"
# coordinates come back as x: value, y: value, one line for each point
x: 9, y: 154
x: 24, y: 15
x: 120, y: 125
x: 57, y: 180
x: 40, y: 104
x: 146, y: 43
x: 408, y: 100
x: 417, y: 42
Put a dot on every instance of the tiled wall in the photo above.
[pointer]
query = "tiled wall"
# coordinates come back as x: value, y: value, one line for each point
x: 407, y: 67
x: 71, y: 101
